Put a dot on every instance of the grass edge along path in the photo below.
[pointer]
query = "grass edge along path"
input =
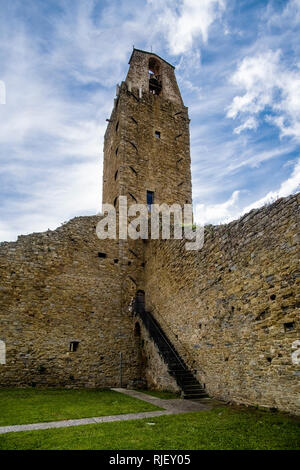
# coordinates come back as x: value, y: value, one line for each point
x: 217, y: 429
x: 31, y: 405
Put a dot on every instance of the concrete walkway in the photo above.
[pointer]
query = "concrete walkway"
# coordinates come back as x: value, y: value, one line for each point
x: 174, y: 406
x: 170, y: 407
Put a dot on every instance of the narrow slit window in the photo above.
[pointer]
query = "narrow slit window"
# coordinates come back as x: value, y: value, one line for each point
x: 2, y: 352
x: 133, y: 170
x: 150, y: 199
x: 74, y: 346
x: 157, y: 134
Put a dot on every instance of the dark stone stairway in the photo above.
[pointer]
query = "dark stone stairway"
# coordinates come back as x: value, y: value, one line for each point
x: 191, y: 388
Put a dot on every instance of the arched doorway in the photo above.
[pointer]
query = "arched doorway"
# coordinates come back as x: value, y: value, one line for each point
x: 137, y: 330
x: 140, y: 301
x: 155, y: 85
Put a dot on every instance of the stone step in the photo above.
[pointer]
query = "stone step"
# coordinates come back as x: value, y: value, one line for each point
x: 194, y: 392
x: 191, y: 379
x: 194, y: 396
x: 186, y: 385
x: 192, y: 387
x: 174, y: 368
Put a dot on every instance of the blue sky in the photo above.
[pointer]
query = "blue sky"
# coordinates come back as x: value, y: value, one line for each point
x: 238, y: 68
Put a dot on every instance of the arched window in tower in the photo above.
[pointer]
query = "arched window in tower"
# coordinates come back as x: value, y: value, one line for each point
x: 155, y: 85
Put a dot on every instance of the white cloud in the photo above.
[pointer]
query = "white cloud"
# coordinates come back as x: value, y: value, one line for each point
x: 225, y: 212
x: 287, y: 187
x: 185, y: 20
x: 216, y: 213
x: 250, y: 123
x: 269, y: 85
x: 289, y: 15
x: 51, y: 141
x: 51, y: 201
x: 257, y: 75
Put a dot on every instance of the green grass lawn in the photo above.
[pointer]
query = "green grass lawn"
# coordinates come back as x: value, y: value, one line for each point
x: 220, y: 428
x: 31, y: 405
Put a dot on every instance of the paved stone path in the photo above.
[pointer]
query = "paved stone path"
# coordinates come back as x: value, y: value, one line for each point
x: 170, y: 407
x: 175, y: 406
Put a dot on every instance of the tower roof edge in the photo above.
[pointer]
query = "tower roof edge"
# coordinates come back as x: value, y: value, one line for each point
x: 150, y: 53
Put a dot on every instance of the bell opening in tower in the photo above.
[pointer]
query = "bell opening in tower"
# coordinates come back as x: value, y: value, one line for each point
x: 155, y: 85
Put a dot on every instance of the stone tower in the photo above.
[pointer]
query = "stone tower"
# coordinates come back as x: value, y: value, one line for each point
x: 146, y: 145
x: 146, y: 152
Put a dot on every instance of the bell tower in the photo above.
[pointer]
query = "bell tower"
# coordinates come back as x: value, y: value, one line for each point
x: 146, y: 153
x: 146, y: 145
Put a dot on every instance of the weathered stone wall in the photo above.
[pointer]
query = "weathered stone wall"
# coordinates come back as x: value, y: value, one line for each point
x: 231, y: 308
x: 55, y: 289
x: 156, y: 374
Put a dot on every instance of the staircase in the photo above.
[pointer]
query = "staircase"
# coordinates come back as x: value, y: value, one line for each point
x: 191, y: 388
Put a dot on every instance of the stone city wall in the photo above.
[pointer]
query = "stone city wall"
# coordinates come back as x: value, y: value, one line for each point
x: 231, y: 308
x: 61, y: 287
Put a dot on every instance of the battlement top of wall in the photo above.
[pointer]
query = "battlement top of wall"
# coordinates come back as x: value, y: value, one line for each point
x: 150, y: 53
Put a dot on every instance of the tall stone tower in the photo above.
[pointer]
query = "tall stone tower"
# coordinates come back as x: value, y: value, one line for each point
x: 146, y: 152
x: 146, y: 145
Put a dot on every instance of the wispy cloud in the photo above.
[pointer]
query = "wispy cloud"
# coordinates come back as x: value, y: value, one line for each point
x: 232, y: 208
x: 287, y: 187
x: 216, y: 213
x: 270, y: 86
x: 186, y: 20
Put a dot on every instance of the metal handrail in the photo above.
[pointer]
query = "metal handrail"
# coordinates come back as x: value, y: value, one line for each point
x: 163, y: 336
x: 174, y: 334
x: 169, y: 344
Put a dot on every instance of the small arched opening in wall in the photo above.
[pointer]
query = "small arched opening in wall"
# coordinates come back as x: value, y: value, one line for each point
x: 2, y: 352
x: 140, y: 301
x: 155, y: 85
x: 154, y: 66
x: 137, y: 330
